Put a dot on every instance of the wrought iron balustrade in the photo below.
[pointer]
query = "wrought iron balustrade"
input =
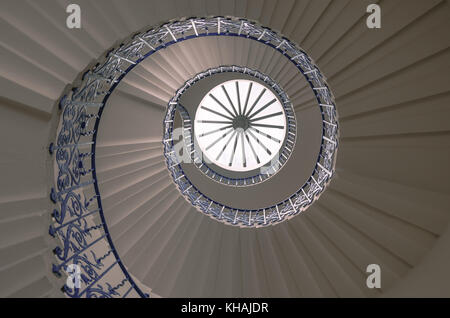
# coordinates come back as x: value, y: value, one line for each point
x: 78, y: 222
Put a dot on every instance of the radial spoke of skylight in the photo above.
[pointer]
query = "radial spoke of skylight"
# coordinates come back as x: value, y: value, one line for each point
x: 269, y: 126
x: 260, y: 143
x: 236, y: 138
x: 250, y: 116
x: 226, y: 145
x: 217, y: 113
x: 248, y: 96
x: 256, y: 101
x: 219, y: 139
x: 238, y: 95
x: 265, y: 135
x: 213, y: 122
x: 266, y: 116
x: 244, y: 159
x: 251, y: 147
x: 229, y: 100
x: 215, y: 131
x: 220, y: 103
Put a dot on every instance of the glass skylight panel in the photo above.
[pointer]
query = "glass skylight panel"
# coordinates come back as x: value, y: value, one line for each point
x: 240, y: 125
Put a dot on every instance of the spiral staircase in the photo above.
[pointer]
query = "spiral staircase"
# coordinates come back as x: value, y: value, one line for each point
x: 386, y: 201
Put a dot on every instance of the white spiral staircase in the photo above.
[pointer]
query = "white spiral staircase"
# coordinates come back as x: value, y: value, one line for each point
x: 387, y: 204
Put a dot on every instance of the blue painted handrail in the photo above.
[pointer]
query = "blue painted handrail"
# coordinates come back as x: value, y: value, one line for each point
x: 78, y: 222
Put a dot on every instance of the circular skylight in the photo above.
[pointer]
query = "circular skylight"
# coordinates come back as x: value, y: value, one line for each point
x: 240, y: 125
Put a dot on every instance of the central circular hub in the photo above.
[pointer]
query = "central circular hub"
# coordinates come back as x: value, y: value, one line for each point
x: 241, y: 122
x: 240, y: 125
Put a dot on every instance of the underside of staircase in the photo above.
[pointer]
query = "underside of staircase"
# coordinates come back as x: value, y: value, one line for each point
x: 388, y: 202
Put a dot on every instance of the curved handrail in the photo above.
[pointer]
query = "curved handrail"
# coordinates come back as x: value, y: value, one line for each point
x: 78, y: 219
x: 324, y: 168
